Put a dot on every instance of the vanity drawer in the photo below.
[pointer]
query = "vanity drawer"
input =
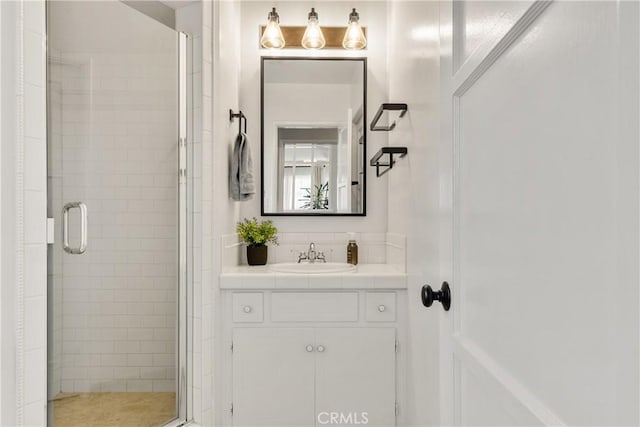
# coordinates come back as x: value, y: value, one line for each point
x: 314, y: 307
x: 247, y: 307
x: 381, y: 307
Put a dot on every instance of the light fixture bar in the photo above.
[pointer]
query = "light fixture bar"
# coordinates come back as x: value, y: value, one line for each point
x: 293, y: 35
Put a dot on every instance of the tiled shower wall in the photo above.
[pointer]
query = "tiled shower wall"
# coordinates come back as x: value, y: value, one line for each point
x: 23, y: 214
x: 114, y: 148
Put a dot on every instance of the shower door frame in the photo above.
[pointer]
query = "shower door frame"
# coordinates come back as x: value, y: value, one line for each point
x: 184, y: 303
x: 182, y: 368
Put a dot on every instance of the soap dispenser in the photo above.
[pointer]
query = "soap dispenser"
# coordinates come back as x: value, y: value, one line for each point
x: 352, y: 249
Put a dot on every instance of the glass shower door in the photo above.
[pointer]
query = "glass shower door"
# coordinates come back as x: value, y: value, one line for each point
x: 118, y: 203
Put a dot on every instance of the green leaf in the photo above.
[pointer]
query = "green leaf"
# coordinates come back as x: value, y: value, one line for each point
x: 257, y: 233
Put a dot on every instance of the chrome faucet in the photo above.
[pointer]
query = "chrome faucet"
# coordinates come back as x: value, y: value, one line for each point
x: 311, y: 255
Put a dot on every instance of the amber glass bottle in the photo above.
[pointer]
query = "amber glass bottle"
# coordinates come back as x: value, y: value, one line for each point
x: 352, y: 250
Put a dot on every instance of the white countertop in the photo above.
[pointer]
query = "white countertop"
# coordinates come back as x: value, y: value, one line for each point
x: 367, y: 276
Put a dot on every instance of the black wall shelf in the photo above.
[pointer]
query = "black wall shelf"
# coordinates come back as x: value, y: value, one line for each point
x: 391, y: 151
x: 402, y: 108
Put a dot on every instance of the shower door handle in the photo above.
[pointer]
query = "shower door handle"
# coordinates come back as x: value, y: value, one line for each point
x: 83, y: 228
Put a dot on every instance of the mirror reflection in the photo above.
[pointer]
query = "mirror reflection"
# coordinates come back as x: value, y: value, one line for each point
x: 313, y: 136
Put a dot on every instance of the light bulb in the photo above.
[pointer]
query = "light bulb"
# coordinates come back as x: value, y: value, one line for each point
x: 313, y: 38
x: 354, y: 36
x: 272, y: 37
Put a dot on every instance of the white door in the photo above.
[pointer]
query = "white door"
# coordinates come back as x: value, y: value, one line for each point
x: 540, y: 185
x: 273, y: 377
x: 355, y: 376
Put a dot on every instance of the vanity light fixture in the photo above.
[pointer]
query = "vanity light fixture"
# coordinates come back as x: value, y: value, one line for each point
x: 354, y: 38
x: 272, y: 37
x: 313, y: 38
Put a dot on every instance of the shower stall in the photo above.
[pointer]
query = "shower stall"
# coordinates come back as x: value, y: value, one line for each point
x: 117, y: 193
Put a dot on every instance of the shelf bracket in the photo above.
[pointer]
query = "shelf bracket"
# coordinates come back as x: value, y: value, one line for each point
x: 375, y: 161
x: 402, y: 108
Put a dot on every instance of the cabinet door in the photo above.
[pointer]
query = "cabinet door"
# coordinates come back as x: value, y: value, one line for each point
x: 273, y: 377
x: 355, y: 376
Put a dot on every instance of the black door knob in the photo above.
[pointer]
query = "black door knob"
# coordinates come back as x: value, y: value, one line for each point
x: 443, y: 295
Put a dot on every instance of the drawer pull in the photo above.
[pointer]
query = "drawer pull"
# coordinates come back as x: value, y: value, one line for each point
x: 247, y: 309
x: 382, y: 308
x: 309, y: 349
x: 320, y: 349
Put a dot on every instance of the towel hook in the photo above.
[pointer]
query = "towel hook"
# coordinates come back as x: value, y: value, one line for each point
x: 240, y: 115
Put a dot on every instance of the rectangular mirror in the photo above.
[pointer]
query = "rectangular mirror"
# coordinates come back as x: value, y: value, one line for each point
x: 313, y: 136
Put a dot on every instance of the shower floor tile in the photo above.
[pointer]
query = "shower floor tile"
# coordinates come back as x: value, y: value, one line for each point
x: 113, y: 409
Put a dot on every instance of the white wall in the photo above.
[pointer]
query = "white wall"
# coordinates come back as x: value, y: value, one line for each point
x: 414, y: 195
x: 1, y: 205
x: 8, y: 28
x: 190, y: 19
x: 220, y: 213
x: 331, y: 13
x: 202, y: 173
x: 213, y: 214
x: 23, y: 227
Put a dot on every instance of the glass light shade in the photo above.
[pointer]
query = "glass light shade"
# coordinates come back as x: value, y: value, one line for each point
x: 313, y: 37
x: 272, y: 37
x: 354, y: 36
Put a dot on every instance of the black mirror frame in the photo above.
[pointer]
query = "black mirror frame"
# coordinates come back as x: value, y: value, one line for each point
x: 364, y: 143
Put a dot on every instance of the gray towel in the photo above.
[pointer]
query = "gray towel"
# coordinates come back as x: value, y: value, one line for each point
x: 241, y: 183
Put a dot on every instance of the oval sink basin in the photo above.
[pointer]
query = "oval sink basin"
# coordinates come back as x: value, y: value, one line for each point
x: 312, y: 268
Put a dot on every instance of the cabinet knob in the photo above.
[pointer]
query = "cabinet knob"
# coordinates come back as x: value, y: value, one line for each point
x: 320, y: 349
x: 309, y: 348
x: 247, y: 309
x: 382, y: 308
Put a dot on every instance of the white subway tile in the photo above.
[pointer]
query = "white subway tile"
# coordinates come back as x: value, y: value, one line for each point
x: 126, y: 373
x: 166, y: 360
x: 35, y: 361
x: 154, y: 347
x: 125, y: 347
x: 70, y: 372
x: 99, y: 373
x: 35, y: 414
x: 35, y: 164
x: 153, y: 373
x: 113, y: 386
x: 35, y: 217
x: 140, y: 360
x: 164, y: 385
x: 35, y: 275
x: 34, y: 19
x: 34, y: 103
x: 35, y: 322
x: 139, y: 385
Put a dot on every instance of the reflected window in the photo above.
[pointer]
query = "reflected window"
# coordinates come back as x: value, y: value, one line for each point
x: 307, y: 179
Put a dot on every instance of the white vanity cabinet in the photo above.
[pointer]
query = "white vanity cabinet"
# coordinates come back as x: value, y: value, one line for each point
x: 273, y: 377
x: 311, y: 358
x: 356, y: 374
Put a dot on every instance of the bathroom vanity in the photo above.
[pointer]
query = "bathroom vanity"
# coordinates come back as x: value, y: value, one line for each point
x: 306, y: 349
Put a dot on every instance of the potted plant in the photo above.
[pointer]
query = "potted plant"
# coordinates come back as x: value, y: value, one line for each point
x: 318, y: 199
x: 256, y: 235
